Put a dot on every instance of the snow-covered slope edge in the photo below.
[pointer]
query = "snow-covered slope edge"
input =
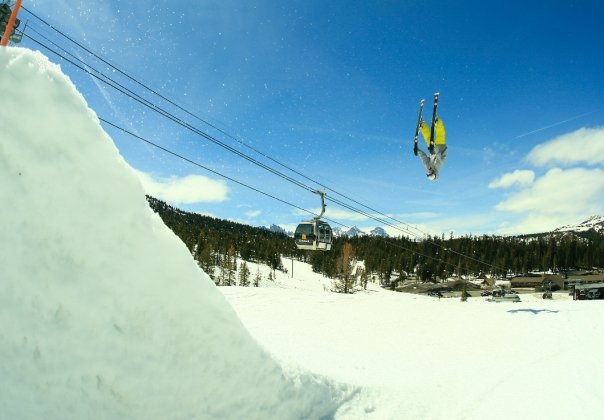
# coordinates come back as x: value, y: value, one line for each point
x: 104, y: 313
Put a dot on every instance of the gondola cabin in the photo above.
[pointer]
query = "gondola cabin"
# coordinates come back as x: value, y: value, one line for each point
x: 313, y: 235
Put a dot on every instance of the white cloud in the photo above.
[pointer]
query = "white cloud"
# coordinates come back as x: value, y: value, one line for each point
x: 585, y: 145
x: 536, y: 223
x: 519, y: 177
x: 555, y: 198
x: 185, y: 190
x: 253, y: 213
x: 567, y: 192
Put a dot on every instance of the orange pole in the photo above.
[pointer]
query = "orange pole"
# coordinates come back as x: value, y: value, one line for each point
x: 11, y: 23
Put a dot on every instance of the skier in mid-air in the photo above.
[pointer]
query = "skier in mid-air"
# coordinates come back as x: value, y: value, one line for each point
x: 434, y: 136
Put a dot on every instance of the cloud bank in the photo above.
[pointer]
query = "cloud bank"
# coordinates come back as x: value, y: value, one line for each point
x: 584, y: 146
x: 184, y: 190
x: 571, y: 190
x: 521, y: 178
x: 559, y: 191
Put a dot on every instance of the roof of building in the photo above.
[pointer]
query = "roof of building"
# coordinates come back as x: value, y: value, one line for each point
x: 589, y: 286
x: 558, y: 279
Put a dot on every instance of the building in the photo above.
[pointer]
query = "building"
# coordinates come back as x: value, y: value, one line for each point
x: 538, y: 282
x: 555, y: 281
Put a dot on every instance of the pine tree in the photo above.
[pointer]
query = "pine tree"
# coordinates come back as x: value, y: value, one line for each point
x: 244, y: 275
x: 257, y: 278
x: 223, y: 263
x: 205, y: 259
x: 345, y: 281
x: 230, y: 266
x: 363, y: 277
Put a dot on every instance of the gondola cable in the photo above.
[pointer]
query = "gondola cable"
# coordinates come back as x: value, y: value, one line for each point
x: 317, y: 216
x: 407, y: 230
x: 120, y: 88
x: 162, y: 112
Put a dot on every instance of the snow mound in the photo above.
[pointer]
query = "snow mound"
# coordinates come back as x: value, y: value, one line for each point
x: 104, y: 312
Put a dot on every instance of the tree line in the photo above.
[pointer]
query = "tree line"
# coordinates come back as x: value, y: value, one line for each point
x: 434, y: 258
x: 218, y: 244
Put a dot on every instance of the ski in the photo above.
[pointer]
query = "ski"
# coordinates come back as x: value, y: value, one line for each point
x: 419, y: 121
x: 431, y: 147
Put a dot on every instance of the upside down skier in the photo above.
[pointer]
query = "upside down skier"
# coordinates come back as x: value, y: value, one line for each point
x: 434, y: 136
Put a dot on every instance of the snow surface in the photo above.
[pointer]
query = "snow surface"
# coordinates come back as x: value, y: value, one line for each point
x: 105, y: 314
x: 417, y: 357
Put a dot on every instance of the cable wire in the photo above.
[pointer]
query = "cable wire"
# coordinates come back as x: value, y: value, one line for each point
x: 260, y: 191
x: 194, y: 115
x: 147, y: 103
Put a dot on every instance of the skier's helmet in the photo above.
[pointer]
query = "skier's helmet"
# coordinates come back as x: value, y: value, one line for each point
x: 431, y: 176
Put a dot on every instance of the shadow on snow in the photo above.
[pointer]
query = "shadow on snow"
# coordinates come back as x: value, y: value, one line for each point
x: 533, y: 311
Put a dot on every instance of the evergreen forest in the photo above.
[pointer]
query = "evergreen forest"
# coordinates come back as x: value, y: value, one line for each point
x: 220, y: 243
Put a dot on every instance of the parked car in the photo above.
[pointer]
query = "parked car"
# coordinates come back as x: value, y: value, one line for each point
x: 486, y: 293
x: 511, y: 292
x: 505, y: 298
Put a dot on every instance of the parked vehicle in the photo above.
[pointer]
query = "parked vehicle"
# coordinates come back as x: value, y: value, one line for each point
x: 593, y: 294
x: 505, y: 298
x: 486, y: 293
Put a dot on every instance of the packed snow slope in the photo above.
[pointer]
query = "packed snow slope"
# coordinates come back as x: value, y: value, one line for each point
x: 418, y: 357
x: 104, y: 313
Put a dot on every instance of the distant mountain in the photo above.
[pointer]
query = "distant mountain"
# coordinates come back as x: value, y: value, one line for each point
x: 594, y: 222
x: 278, y: 229
x: 590, y: 229
x: 337, y: 231
x: 378, y: 231
x: 356, y: 231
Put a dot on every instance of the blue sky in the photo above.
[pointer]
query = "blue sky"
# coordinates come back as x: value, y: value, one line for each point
x: 331, y: 89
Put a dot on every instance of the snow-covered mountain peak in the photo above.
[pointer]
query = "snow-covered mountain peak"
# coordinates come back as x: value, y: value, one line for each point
x: 356, y: 231
x: 378, y: 231
x: 594, y: 222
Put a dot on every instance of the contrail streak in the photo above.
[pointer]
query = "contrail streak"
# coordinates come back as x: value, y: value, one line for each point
x: 558, y: 123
